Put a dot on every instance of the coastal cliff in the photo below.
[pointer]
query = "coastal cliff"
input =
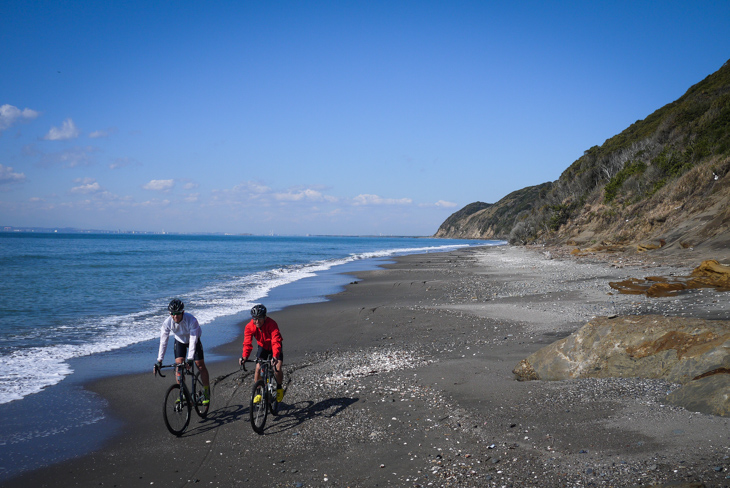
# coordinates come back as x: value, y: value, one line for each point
x: 664, y: 179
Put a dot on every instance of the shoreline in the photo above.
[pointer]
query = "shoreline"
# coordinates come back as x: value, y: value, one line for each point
x: 404, y: 379
x: 67, y: 420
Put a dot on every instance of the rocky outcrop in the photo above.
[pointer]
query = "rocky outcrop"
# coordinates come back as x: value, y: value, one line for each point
x: 492, y: 221
x: 692, y: 352
x: 709, y: 274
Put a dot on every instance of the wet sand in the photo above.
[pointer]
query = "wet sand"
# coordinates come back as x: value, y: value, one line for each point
x: 405, y: 379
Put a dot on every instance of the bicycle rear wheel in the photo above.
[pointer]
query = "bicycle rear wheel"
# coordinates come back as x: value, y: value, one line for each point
x: 176, y: 410
x: 258, y: 409
x: 199, y: 396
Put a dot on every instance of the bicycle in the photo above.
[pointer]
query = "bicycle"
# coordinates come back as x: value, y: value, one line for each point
x: 266, y: 388
x: 179, y: 400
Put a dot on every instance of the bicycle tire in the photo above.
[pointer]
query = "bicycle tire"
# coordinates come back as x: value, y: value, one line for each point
x: 273, y: 404
x: 175, y: 412
x: 270, y: 382
x: 198, y: 396
x: 258, y: 411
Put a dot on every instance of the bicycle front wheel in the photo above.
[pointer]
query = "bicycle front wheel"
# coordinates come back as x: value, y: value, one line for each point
x: 199, y: 395
x: 176, y: 410
x: 258, y: 409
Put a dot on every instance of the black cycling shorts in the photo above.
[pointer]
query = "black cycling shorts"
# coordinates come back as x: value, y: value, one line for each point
x: 181, y: 350
x: 266, y: 354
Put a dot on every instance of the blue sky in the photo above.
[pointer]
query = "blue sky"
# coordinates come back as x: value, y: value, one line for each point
x: 321, y: 117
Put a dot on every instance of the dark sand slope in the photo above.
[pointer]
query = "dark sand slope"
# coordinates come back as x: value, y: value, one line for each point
x: 405, y: 379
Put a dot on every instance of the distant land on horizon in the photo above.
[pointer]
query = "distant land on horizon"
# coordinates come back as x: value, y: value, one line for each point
x: 73, y: 230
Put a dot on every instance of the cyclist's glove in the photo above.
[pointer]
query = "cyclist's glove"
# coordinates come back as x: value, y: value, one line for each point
x: 190, y: 363
x: 158, y: 364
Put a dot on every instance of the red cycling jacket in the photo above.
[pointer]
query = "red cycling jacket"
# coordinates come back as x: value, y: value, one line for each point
x: 267, y: 337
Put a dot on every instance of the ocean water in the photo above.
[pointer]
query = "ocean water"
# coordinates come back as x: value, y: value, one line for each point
x: 68, y: 300
x: 64, y: 296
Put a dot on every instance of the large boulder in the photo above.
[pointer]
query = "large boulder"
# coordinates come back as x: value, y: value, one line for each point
x: 677, y: 349
x: 706, y: 395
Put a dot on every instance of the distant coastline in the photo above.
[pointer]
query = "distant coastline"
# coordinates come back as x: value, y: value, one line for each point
x: 73, y: 230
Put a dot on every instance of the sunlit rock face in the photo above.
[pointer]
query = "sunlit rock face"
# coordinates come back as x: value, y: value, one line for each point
x: 676, y: 349
x: 709, y: 274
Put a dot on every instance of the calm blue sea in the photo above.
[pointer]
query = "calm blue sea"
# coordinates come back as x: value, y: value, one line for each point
x: 68, y: 299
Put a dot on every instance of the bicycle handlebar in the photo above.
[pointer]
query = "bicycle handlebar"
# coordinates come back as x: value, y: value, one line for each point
x: 243, y: 363
x: 258, y: 360
x: 159, y: 367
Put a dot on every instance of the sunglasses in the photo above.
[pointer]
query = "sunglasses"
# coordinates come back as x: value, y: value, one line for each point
x: 176, y: 313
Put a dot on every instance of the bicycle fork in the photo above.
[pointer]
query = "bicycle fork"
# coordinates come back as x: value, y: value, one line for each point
x: 271, y: 388
x: 181, y: 401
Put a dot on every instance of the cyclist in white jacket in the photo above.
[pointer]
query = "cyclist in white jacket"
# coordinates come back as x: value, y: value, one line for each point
x: 186, y: 330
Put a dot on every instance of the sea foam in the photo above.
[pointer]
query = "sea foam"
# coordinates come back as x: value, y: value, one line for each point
x: 30, y: 370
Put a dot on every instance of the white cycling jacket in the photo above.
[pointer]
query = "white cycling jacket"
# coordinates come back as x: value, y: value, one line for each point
x: 186, y: 332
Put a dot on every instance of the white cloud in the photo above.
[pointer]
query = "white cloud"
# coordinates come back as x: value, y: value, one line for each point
x: 444, y: 203
x: 159, y: 185
x: 251, y: 193
x: 154, y: 203
x: 121, y: 163
x: 192, y: 198
x: 67, y: 131
x: 88, y: 185
x: 10, y: 114
x: 8, y: 176
x: 303, y: 195
x: 250, y: 187
x: 70, y: 158
x: 242, y: 193
x: 102, y: 133
x: 190, y: 186
x: 365, y: 199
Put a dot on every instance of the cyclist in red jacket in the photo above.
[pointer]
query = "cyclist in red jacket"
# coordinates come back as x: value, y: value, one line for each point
x: 268, y: 337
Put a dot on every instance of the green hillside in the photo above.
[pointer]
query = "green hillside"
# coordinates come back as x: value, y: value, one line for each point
x: 650, y: 181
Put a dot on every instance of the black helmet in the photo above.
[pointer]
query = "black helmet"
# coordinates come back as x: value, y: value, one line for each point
x: 258, y: 311
x: 176, y: 306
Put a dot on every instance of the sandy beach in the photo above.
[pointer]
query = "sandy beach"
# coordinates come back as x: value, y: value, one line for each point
x: 405, y: 379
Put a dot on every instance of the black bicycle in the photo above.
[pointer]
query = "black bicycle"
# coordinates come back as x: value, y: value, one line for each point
x: 263, y: 395
x: 179, y: 400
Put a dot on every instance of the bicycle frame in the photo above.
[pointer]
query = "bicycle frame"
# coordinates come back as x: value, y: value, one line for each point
x: 265, y: 389
x: 267, y: 374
